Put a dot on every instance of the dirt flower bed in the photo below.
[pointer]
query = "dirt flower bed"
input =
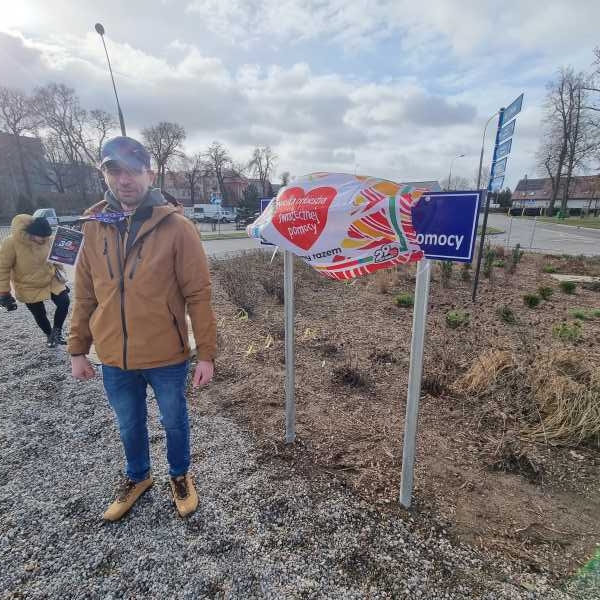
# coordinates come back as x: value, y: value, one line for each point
x: 485, y: 469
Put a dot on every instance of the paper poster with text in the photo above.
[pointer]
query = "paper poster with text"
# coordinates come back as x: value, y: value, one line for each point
x: 343, y: 225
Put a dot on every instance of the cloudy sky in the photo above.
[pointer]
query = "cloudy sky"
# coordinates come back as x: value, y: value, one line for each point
x: 394, y: 88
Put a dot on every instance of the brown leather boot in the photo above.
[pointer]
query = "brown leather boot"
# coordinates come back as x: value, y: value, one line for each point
x: 128, y: 492
x: 184, y: 494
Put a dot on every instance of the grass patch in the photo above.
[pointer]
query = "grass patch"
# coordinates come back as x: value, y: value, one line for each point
x: 584, y: 314
x: 590, y: 222
x: 404, y: 300
x: 549, y: 269
x: 457, y: 318
x: 490, y: 230
x: 233, y: 235
x: 568, y: 287
x: 545, y: 292
x: 499, y: 264
x: 568, y: 332
x: 531, y: 300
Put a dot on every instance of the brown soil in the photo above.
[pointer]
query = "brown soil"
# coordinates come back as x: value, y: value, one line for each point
x: 475, y: 475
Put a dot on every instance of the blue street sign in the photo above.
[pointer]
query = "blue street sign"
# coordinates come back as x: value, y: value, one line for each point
x: 503, y: 150
x: 499, y: 167
x: 512, y: 111
x: 507, y: 131
x: 446, y: 225
x: 496, y: 183
x: 264, y: 202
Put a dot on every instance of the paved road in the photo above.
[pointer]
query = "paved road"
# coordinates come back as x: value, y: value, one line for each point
x: 546, y: 237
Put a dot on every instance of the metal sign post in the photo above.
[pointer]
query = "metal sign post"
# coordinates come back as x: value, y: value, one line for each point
x: 290, y: 379
x: 414, y: 380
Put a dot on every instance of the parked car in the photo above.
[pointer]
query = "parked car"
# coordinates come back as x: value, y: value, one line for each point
x: 54, y: 219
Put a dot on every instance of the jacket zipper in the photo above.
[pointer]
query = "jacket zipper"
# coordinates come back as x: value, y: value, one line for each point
x: 122, y: 289
x: 110, y: 271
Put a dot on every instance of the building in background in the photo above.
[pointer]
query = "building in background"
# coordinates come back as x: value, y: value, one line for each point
x: 533, y: 195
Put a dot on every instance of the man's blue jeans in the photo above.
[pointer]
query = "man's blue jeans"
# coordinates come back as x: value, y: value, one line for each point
x: 126, y: 391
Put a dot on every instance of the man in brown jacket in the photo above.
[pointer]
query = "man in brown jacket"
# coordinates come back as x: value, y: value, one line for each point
x: 141, y: 265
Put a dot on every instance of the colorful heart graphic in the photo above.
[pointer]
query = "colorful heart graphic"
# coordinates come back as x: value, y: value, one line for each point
x: 301, y: 217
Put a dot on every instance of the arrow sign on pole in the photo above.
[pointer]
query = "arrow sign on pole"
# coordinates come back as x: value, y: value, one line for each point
x: 499, y: 167
x: 512, y: 111
x: 503, y: 150
x: 507, y: 132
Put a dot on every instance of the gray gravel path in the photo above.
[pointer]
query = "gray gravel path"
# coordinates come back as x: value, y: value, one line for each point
x: 262, y: 530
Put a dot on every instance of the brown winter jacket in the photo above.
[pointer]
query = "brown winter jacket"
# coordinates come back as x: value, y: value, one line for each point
x: 25, y: 263
x: 132, y: 304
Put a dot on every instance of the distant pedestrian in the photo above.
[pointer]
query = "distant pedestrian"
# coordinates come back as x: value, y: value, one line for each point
x: 24, y: 262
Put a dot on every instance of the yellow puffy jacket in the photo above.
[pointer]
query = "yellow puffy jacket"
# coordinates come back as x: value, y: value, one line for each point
x: 24, y: 262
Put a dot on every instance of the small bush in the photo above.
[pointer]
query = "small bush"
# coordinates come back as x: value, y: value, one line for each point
x: 456, y: 318
x: 489, y: 256
x: 507, y: 314
x: 549, y: 269
x: 465, y: 272
x: 515, y: 258
x: 531, y: 300
x: 568, y: 287
x: 499, y: 264
x: 446, y: 272
x: 568, y: 332
x: 545, y: 292
x: 499, y: 251
x: 404, y: 300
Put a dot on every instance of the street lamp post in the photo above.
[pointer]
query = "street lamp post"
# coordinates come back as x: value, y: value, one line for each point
x: 100, y: 31
x: 450, y: 173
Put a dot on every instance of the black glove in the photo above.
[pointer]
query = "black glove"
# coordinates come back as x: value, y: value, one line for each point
x: 8, y: 302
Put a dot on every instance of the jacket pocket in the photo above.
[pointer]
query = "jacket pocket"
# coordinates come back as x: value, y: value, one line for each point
x: 108, y: 264
x: 176, y: 325
x: 138, y: 257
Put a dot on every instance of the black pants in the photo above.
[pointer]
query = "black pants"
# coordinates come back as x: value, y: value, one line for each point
x: 38, y: 310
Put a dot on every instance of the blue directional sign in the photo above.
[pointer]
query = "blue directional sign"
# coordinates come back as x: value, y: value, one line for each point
x: 499, y: 167
x: 446, y: 225
x: 512, y: 111
x: 496, y: 183
x: 503, y: 150
x: 506, y: 132
x: 264, y: 202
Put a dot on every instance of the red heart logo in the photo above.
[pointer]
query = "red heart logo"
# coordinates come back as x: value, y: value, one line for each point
x: 300, y: 217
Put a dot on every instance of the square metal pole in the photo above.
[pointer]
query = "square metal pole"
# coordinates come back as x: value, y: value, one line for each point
x: 290, y: 375
x: 414, y: 380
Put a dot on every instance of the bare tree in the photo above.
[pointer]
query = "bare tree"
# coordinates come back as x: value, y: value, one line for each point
x: 16, y: 118
x: 192, y: 169
x: 285, y: 178
x: 262, y: 164
x: 570, y: 136
x: 218, y: 159
x: 164, y: 143
x: 101, y: 124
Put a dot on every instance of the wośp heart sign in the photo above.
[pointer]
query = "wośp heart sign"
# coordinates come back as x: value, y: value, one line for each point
x: 343, y: 225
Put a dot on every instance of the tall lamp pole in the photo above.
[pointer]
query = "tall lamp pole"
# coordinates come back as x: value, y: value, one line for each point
x: 100, y: 31
x: 450, y: 173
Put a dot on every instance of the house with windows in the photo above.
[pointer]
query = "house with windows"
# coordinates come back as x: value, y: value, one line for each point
x: 533, y: 195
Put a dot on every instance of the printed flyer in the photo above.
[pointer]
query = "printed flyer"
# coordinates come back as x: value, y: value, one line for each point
x: 343, y: 225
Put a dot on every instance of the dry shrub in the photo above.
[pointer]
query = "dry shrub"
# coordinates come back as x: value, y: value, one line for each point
x: 512, y: 457
x: 484, y: 372
x: 566, y: 387
x: 382, y: 281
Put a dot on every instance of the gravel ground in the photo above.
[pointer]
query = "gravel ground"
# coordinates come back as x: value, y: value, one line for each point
x: 261, y: 531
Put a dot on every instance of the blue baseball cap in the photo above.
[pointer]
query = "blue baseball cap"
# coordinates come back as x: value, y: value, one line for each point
x: 127, y: 152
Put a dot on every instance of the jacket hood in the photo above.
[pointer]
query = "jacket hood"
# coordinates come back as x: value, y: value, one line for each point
x: 19, y: 223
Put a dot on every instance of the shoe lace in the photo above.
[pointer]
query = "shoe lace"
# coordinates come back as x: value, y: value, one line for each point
x: 124, y: 488
x: 181, y: 487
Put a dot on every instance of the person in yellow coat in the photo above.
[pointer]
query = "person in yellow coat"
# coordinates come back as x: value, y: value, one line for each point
x: 23, y: 261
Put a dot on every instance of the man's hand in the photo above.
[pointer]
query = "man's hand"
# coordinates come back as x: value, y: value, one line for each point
x: 8, y: 302
x: 204, y: 373
x: 81, y: 368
